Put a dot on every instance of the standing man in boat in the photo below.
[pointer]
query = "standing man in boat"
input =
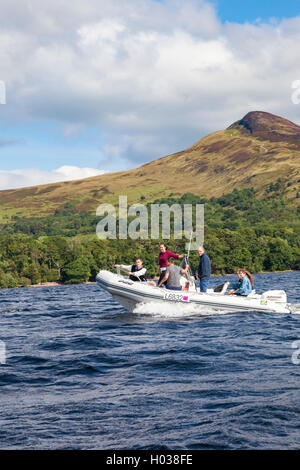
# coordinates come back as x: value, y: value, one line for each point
x: 164, y: 255
x: 204, y: 269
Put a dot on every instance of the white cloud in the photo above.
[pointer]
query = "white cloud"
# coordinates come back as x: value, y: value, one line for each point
x: 30, y: 177
x: 2, y: 92
x: 153, y: 77
x: 106, y: 30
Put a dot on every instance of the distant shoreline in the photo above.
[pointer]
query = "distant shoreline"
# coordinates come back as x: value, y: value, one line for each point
x: 57, y: 284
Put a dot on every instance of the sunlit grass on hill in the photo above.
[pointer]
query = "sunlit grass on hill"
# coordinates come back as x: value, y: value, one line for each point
x: 217, y: 164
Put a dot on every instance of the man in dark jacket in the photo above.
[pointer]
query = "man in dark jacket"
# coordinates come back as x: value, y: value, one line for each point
x: 204, y: 269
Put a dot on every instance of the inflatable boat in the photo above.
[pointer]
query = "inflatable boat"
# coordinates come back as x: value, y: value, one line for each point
x: 129, y: 294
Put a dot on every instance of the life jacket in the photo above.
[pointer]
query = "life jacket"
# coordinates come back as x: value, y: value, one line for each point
x: 142, y: 278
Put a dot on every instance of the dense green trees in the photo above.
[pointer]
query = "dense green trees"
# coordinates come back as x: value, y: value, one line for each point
x: 240, y: 230
x: 25, y: 260
x: 76, y: 271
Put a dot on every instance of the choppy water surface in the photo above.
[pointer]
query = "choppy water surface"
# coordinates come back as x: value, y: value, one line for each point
x: 83, y: 373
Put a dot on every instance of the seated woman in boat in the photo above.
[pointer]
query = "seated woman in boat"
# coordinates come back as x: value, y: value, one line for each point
x: 136, y: 271
x: 172, y: 276
x: 244, y: 285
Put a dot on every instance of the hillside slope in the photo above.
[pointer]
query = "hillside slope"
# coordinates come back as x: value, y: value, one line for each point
x: 253, y: 152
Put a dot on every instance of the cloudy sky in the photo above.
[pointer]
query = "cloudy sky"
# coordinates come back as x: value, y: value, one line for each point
x: 95, y: 86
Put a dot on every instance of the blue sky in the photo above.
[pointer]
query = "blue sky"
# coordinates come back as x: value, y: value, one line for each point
x: 114, y: 85
x: 240, y: 11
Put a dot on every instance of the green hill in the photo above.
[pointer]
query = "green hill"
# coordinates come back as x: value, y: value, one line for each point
x: 253, y: 152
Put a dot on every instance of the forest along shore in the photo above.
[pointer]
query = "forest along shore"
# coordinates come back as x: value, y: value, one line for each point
x: 259, y: 231
x: 53, y: 284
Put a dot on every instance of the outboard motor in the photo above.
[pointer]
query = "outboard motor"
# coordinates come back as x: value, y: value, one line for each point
x: 275, y: 296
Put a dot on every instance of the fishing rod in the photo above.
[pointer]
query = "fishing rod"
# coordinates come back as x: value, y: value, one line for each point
x: 188, y: 254
x: 189, y: 274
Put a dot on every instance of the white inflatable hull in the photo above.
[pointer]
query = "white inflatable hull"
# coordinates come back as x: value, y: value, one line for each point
x: 130, y: 294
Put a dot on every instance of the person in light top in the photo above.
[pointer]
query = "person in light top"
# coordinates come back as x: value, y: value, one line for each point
x: 244, y: 285
x: 136, y: 271
x: 163, y: 257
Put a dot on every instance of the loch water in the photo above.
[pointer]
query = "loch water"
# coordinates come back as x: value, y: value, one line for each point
x: 80, y: 372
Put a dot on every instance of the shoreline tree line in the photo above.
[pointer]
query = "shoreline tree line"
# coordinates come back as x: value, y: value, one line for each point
x: 262, y: 234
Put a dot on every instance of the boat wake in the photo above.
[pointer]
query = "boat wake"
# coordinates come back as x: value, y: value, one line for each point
x: 163, y: 309
x: 295, y: 309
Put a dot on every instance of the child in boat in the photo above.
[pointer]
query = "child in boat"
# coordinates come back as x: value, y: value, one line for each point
x: 244, y: 285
